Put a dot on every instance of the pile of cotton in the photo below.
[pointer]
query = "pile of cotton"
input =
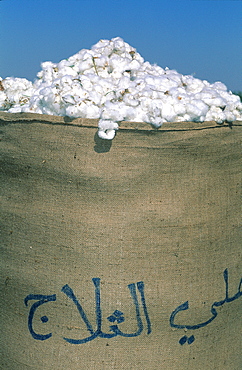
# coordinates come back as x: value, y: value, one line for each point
x: 112, y: 82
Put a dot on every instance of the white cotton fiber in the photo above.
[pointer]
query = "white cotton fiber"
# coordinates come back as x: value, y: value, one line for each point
x: 112, y: 82
x: 168, y: 112
x: 107, y: 129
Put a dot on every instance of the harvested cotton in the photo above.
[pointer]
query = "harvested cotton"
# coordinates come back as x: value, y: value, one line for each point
x: 112, y: 82
x: 107, y: 129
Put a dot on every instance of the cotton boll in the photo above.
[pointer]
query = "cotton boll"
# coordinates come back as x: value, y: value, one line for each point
x: 51, y: 100
x: 94, y: 78
x: 38, y: 83
x: 146, y: 94
x: 31, y: 109
x: 48, y: 71
x: 161, y: 83
x: 220, y: 102
x: 104, y: 73
x: 211, y: 97
x: 215, y: 101
x: 179, y: 109
x: 95, y: 97
x: 85, y: 54
x: 184, y: 118
x: 154, y: 112
x: 104, y: 87
x: 118, y: 44
x: 86, y: 83
x: 154, y: 94
x: 124, y: 83
x: 17, y: 84
x: 93, y: 111
x: 46, y: 91
x: 178, y: 93
x: 3, y: 98
x: 172, y: 83
x: 63, y: 64
x: 34, y: 100
x: 155, y: 121
x: 45, y: 103
x: 69, y: 99
x: 130, y: 113
x: 193, y: 85
x: 116, y: 75
x: 113, y: 111
x: 173, y: 75
x: 179, y: 119
x: 110, y: 96
x: 150, y: 80
x: 47, y: 110
x: 102, y: 62
x: 64, y: 81
x: 168, y: 112
x: 220, y: 118
x: 130, y: 100
x: 107, y: 125
x: 141, y: 115
x: 86, y: 64
x: 107, y: 129
x: 13, y: 97
x: 136, y: 56
x: 74, y: 59
x: 134, y: 65
x: 15, y: 109
x: 72, y: 111
x: 147, y: 68
x: 125, y: 113
x: 77, y: 110
x: 215, y: 114
x: 233, y: 98
x: 17, y: 91
x: 230, y: 117
x: 201, y: 107
x: 83, y: 107
x: 56, y: 105
x: 103, y: 47
x: 139, y: 84
x: 47, y: 66
x: 196, y: 110
x: 157, y: 70
x: 229, y: 97
x: 107, y: 134
x: 40, y: 75
x: 218, y: 86
x: 145, y: 102
x: 70, y: 71
x: 152, y: 106
x: 239, y: 106
x: 119, y: 64
x: 238, y: 113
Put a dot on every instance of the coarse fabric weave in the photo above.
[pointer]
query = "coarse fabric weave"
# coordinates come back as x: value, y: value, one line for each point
x: 137, y: 238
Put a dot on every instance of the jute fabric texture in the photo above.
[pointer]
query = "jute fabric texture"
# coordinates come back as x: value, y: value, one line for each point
x: 122, y: 254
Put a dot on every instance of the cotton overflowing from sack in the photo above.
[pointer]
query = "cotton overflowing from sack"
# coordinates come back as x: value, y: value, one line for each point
x: 120, y: 254
x: 112, y: 82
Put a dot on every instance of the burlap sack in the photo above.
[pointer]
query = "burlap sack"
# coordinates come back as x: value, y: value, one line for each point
x: 122, y: 254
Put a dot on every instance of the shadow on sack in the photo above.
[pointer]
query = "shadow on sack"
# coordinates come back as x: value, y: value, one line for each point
x: 101, y: 145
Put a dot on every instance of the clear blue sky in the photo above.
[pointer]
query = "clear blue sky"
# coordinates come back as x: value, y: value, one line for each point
x: 200, y: 37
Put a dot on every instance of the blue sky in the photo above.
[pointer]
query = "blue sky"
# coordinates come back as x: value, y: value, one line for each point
x: 199, y: 37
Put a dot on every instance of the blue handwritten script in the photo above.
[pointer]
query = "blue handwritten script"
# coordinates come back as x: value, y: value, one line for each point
x: 185, y: 306
x: 116, y: 316
x: 137, y: 293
